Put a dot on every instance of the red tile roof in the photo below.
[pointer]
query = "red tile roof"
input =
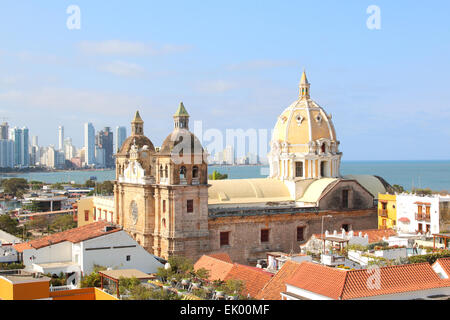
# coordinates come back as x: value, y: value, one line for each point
x: 221, y: 256
x: 86, y: 232
x: 375, y: 235
x: 254, y: 278
x: 218, y: 269
x: 344, y: 285
x: 272, y: 290
x: 445, y: 264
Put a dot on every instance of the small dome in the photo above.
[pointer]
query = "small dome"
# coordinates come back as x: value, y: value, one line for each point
x: 140, y: 141
x: 187, y: 139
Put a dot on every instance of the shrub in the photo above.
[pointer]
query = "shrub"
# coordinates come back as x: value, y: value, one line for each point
x: 430, y: 258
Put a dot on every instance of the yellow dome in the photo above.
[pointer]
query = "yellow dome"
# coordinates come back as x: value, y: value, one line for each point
x: 303, y: 124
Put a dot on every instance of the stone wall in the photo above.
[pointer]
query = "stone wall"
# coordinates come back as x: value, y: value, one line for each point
x: 245, y: 231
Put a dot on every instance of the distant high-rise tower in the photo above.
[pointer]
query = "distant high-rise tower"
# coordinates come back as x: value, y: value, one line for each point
x: 61, y: 138
x: 6, y: 153
x: 89, y: 143
x: 4, y: 128
x: 21, y: 146
x: 35, y: 141
x: 121, y: 135
x: 104, y: 140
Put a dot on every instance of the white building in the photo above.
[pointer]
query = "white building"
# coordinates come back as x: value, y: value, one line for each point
x: 421, y: 214
x: 89, y: 143
x: 75, y: 252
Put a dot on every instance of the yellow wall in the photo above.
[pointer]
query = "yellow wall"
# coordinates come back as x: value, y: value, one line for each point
x: 101, y: 295
x: 85, y: 204
x: 391, y: 208
x: 6, y: 290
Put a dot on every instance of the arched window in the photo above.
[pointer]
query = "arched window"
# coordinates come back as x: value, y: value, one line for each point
x: 161, y: 171
x: 195, y: 172
x: 323, y: 147
x: 166, y: 172
x: 183, y: 172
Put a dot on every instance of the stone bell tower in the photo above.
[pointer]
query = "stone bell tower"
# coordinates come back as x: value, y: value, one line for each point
x: 181, y: 195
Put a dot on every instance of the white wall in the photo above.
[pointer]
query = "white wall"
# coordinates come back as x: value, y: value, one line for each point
x: 116, y: 257
x: 60, y: 252
x: 406, y: 207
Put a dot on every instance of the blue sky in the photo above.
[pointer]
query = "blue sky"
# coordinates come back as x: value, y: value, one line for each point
x: 234, y: 64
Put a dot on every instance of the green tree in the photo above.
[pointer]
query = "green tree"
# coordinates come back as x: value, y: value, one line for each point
x: 89, y: 184
x: 217, y: 176
x: 64, y: 222
x: 15, y: 186
x: 105, y: 188
x: 40, y: 223
x: 92, y: 280
x: 398, y: 188
x: 9, y: 224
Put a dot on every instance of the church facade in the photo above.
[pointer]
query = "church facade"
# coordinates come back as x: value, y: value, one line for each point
x: 163, y: 197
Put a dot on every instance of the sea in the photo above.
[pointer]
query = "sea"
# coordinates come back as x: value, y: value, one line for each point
x: 418, y: 174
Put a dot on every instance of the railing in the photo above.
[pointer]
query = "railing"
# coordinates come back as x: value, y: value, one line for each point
x: 62, y: 288
x: 423, y: 217
x: 383, y: 213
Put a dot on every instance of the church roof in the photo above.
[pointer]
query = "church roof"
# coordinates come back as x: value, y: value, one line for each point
x: 371, y: 183
x: 315, y: 190
x: 247, y: 191
x: 187, y: 139
x: 137, y: 117
x: 181, y: 111
x: 140, y: 141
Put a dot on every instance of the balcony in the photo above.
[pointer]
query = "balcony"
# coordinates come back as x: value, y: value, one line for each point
x: 423, y: 217
x: 383, y: 213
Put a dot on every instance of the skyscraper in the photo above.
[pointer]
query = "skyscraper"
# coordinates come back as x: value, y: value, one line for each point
x: 21, y: 146
x: 6, y: 153
x: 121, y: 135
x: 89, y: 144
x: 4, y: 128
x: 61, y: 138
x: 104, y: 140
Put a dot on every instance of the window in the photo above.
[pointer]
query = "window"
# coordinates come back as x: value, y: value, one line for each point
x: 166, y: 172
x: 225, y: 238
x: 345, y: 199
x: 346, y: 227
x: 300, y: 233
x: 95, y: 214
x: 265, y: 235
x: 86, y: 215
x: 195, y: 172
x: 299, y: 169
x: 419, y: 228
x: 190, y: 205
x: 323, y: 145
x: 322, y: 168
x: 128, y: 258
x: 164, y: 205
x: 183, y: 172
x: 428, y: 228
x: 161, y: 171
x: 384, y: 205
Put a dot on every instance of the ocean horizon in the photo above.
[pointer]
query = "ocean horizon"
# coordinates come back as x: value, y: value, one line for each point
x: 433, y: 174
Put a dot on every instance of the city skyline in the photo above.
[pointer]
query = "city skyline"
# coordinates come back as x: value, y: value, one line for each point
x: 243, y: 76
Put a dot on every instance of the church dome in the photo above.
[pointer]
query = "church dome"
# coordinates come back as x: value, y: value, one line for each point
x: 139, y: 140
x: 184, y: 137
x: 304, y: 124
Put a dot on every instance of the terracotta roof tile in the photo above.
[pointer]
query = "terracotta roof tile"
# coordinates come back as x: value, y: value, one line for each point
x: 254, y: 278
x: 221, y: 256
x: 340, y: 284
x: 277, y: 284
x: 218, y: 269
x: 319, y: 279
x: 445, y: 264
x: 86, y: 232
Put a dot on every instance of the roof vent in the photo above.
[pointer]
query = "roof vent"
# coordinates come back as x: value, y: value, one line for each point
x: 108, y: 228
